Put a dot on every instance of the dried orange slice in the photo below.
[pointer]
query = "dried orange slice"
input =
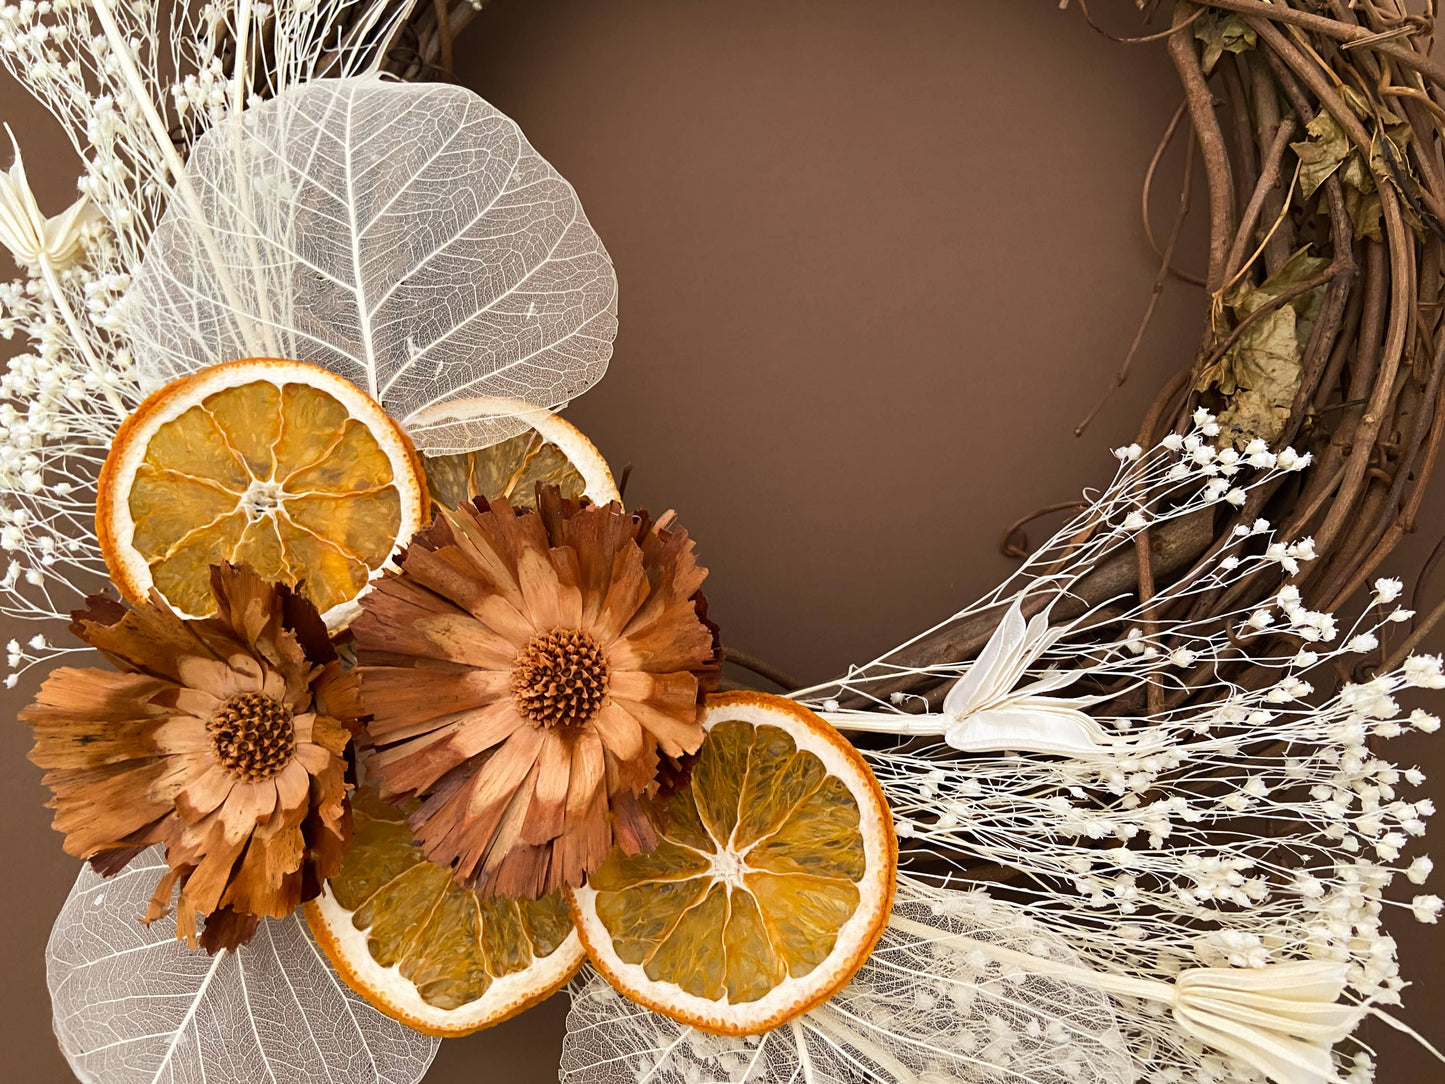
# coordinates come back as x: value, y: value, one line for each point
x: 552, y: 451
x: 426, y: 951
x: 772, y: 883
x: 280, y: 465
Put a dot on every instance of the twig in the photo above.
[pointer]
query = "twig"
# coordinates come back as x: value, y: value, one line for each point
x: 444, y: 39
x: 1211, y: 143
x: 1146, y: 39
x: 1333, y: 28
x: 1159, y: 280
x: 780, y: 678
x: 1014, y: 542
x: 1147, y: 192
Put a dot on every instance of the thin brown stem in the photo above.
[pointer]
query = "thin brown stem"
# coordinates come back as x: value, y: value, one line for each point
x: 1154, y: 294
x: 781, y: 678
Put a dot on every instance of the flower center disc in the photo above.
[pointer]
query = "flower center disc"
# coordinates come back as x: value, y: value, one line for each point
x: 560, y: 678
x: 253, y: 736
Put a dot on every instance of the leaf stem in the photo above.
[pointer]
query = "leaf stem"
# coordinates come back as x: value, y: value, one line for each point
x: 82, y: 341
x: 145, y: 106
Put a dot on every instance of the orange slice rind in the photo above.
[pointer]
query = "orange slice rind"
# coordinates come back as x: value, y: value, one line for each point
x: 772, y: 883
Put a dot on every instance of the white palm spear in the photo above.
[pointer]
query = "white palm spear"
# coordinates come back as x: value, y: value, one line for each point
x: 44, y: 244
x: 988, y: 710
x: 405, y: 236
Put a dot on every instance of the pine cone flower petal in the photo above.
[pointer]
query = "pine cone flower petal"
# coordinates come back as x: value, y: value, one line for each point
x: 223, y: 739
x: 526, y: 673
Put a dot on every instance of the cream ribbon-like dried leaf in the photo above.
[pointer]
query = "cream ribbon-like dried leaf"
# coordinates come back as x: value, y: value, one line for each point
x: 33, y: 239
x: 988, y: 710
x: 134, y: 1006
x: 407, y: 237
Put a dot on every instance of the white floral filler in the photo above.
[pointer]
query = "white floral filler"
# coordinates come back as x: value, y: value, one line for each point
x: 1137, y: 922
x: 123, y: 79
x: 1140, y: 843
x: 936, y: 1002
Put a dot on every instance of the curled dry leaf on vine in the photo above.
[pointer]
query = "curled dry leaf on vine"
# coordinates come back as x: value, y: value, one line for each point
x: 1221, y: 32
x: 223, y: 739
x: 533, y: 674
x: 1259, y: 375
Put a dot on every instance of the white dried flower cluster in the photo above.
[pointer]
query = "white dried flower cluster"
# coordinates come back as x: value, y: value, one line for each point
x: 1147, y: 857
x: 133, y: 85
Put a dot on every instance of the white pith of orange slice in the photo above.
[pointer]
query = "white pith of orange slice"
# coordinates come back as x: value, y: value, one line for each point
x: 278, y: 464
x: 553, y: 450
x: 737, y: 926
x: 427, y: 951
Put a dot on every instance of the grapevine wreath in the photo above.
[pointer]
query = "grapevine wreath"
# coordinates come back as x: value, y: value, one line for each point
x: 399, y: 720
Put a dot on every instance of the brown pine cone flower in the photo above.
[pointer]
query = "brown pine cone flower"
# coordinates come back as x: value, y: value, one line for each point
x: 527, y: 672
x: 222, y: 739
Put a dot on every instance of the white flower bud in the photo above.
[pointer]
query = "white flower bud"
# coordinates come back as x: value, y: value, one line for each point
x: 1424, y: 722
x: 1426, y: 908
x: 1388, y: 590
x: 1424, y: 672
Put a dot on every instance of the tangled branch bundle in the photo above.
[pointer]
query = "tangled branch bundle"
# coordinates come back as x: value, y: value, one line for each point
x: 1320, y: 138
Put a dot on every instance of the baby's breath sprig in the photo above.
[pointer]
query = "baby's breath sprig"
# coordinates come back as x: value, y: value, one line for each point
x: 1145, y: 853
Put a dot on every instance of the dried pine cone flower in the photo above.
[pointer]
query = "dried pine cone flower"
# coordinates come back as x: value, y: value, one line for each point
x: 527, y: 672
x: 222, y: 739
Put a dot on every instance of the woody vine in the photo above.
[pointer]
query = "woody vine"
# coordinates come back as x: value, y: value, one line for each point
x: 380, y: 614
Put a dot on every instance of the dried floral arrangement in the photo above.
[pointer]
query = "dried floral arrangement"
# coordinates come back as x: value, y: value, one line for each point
x: 403, y: 716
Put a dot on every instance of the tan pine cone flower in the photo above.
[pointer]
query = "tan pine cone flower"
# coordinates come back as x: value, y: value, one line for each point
x: 526, y: 673
x: 222, y: 739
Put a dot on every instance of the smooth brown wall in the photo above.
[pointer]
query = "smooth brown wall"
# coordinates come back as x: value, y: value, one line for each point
x: 876, y: 261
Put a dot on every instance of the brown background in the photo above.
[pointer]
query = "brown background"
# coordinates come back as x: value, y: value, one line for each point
x: 876, y: 261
